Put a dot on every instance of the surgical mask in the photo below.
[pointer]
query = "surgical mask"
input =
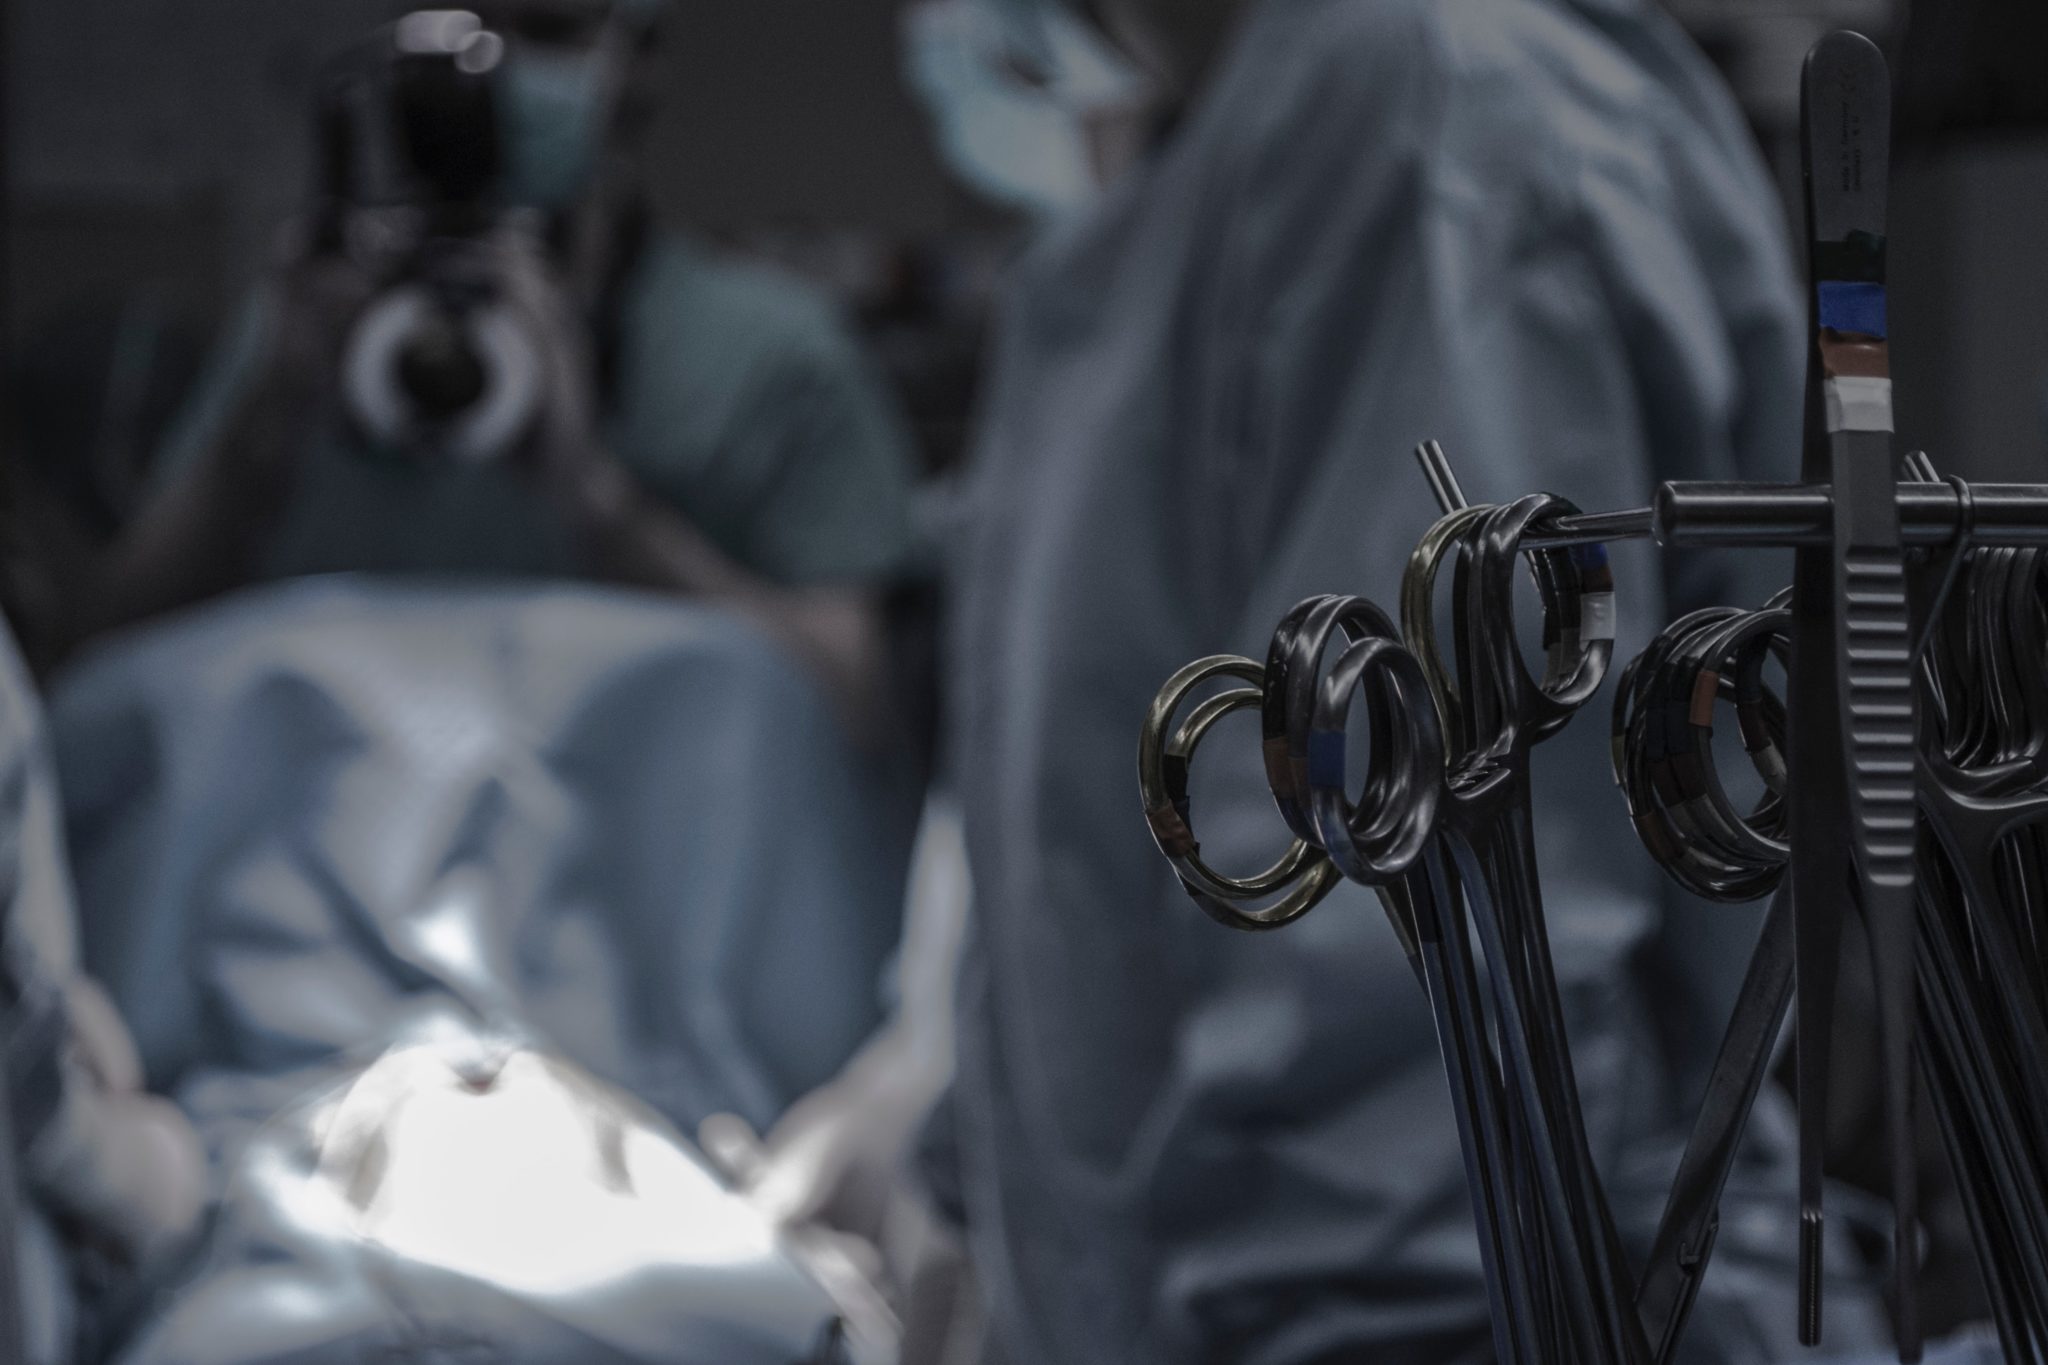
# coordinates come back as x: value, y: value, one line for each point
x: 554, y: 108
x: 1021, y: 141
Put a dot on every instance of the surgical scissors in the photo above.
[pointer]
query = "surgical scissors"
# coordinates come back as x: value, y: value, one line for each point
x: 1914, y: 738
x: 1502, y: 712
x: 1429, y: 807
x: 1983, y: 799
x: 1441, y: 830
x: 1442, y: 827
x: 1302, y: 876
x: 1665, y: 763
x: 1443, y: 834
x: 1409, y: 763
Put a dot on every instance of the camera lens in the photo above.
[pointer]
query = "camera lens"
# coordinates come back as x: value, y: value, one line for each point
x: 440, y: 371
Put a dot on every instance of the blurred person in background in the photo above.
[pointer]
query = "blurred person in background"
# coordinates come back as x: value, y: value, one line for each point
x: 343, y: 812
x: 504, y: 367
x: 1279, y: 243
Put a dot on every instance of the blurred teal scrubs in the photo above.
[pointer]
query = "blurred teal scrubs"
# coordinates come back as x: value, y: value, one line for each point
x: 739, y: 398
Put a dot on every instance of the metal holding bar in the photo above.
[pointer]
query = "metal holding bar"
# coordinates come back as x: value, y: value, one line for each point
x: 1733, y: 514
x: 1443, y: 481
x: 1762, y: 515
x: 1700, y: 515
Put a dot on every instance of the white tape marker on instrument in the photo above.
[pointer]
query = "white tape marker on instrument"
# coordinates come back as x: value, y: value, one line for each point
x: 1857, y: 403
x: 1596, y: 616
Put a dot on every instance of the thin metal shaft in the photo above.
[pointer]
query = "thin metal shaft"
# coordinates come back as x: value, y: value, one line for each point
x: 1436, y: 467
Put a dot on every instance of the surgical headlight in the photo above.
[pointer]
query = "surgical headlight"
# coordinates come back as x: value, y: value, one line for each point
x: 443, y: 66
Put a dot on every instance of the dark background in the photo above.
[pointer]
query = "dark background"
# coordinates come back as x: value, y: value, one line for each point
x: 156, y: 145
x: 161, y: 140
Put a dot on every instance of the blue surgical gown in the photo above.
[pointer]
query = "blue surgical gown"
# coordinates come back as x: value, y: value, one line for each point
x: 1535, y: 230
x: 38, y: 956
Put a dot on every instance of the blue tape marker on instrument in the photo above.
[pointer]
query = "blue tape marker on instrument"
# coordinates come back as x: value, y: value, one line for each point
x: 1326, y: 758
x: 1851, y: 307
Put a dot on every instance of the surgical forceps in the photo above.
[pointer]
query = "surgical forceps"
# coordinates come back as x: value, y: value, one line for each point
x: 1388, y: 840
x: 1467, y: 810
x: 1425, y: 810
x: 1304, y: 874
x: 1983, y: 798
x: 1403, y: 835
x: 1984, y: 781
x: 1496, y: 712
x: 1665, y: 763
x: 1957, y: 912
x: 1439, y: 821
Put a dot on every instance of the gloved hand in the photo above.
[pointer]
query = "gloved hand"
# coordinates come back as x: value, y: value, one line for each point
x: 286, y: 359
x: 839, y: 1155
x: 314, y: 299
x: 125, y: 1164
x: 565, y: 452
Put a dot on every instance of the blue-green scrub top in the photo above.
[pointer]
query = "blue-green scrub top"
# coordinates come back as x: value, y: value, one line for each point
x: 740, y: 399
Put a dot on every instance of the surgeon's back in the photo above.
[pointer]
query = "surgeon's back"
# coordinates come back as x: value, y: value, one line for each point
x: 1532, y: 229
